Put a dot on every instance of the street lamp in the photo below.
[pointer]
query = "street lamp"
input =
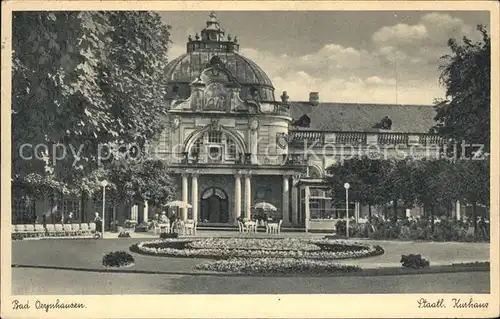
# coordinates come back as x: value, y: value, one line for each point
x: 104, y: 183
x: 346, y: 186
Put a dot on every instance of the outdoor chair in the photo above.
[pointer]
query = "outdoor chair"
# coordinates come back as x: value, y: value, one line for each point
x: 59, y: 230
x: 30, y: 230
x: 76, y: 229
x: 162, y: 228
x: 68, y: 230
x: 51, y: 230
x: 190, y: 227
x: 241, y: 227
x: 39, y: 230
x: 250, y: 227
x: 84, y: 229
x: 178, y: 227
x: 20, y: 229
x: 92, y: 228
x: 274, y: 228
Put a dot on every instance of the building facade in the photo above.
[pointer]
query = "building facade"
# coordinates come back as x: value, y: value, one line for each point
x: 232, y: 143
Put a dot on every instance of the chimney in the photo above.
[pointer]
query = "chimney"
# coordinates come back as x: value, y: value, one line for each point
x: 314, y: 98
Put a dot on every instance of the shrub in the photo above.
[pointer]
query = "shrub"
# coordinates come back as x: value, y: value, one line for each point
x: 17, y: 236
x: 169, y: 235
x: 414, y: 261
x: 117, y: 259
x: 124, y: 234
x: 340, y: 227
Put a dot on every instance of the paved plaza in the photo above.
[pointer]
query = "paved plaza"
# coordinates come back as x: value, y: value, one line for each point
x: 75, y: 266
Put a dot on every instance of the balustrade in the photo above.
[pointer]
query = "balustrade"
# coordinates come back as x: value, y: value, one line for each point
x: 392, y: 138
x: 350, y: 138
x: 430, y: 139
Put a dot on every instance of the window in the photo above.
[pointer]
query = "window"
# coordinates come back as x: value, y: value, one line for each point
x: 215, y: 137
x: 214, y: 146
x: 23, y: 210
x: 197, y: 148
x: 69, y: 205
x: 231, y: 149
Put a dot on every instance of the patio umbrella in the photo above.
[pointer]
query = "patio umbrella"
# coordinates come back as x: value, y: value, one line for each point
x: 265, y: 206
x: 178, y: 203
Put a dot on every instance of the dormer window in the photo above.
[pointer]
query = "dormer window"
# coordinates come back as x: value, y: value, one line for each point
x: 384, y: 124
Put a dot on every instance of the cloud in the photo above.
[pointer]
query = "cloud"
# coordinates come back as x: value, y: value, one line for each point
x: 175, y: 51
x: 400, y: 33
x: 399, y: 64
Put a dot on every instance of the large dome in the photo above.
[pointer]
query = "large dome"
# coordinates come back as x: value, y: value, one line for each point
x: 183, y: 70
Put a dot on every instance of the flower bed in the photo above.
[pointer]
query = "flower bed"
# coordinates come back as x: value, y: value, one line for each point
x: 319, y: 249
x: 273, y: 266
x: 253, y: 244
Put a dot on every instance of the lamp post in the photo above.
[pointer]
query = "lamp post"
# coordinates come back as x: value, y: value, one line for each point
x: 346, y: 186
x: 104, y: 183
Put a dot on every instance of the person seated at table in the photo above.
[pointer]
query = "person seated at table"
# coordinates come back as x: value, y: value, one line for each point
x: 163, y: 218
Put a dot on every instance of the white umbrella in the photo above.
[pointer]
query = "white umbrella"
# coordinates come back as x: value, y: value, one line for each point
x: 178, y: 203
x: 265, y: 206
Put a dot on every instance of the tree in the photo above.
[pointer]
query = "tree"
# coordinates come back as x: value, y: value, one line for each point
x: 465, y: 114
x: 84, y: 79
x: 143, y: 179
x: 399, y: 183
x: 370, y: 173
x: 473, y: 178
x: 365, y: 177
x: 338, y: 175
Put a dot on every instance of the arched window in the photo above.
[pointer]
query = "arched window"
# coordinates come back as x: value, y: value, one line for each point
x: 314, y: 172
x: 214, y: 147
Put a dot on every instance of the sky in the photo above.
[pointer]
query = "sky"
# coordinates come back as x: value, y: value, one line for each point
x: 347, y: 56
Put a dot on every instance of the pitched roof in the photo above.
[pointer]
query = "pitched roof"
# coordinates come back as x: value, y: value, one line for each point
x: 362, y: 117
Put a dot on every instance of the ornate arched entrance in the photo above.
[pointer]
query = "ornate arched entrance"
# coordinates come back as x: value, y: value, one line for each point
x: 214, y: 206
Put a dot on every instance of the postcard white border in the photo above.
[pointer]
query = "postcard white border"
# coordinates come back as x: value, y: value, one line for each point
x: 245, y: 306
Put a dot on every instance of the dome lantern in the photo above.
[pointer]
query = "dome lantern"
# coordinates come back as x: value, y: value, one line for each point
x: 212, y: 38
x: 210, y: 47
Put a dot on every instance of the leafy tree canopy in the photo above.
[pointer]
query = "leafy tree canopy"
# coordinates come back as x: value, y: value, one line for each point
x: 82, y: 79
x: 466, y: 74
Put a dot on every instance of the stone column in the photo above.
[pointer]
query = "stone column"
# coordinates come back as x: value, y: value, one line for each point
x: 237, y: 196
x: 253, y: 125
x: 295, y: 195
x: 248, y: 195
x: 286, y: 200
x: 194, y: 195
x: 356, y: 211
x: 254, y: 146
x: 459, y: 217
x: 308, y: 211
x: 145, y: 212
x: 184, y: 194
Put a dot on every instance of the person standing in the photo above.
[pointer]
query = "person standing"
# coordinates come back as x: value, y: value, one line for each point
x: 69, y: 219
x: 98, y: 225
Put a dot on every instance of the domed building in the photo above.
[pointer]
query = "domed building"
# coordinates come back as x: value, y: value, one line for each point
x: 234, y: 145
x: 232, y: 142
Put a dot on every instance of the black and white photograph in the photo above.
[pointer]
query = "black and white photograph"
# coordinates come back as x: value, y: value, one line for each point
x: 223, y: 151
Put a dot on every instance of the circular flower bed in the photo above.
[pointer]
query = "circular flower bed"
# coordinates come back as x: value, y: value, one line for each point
x: 118, y: 259
x: 253, y: 244
x: 274, y: 266
x: 226, y: 248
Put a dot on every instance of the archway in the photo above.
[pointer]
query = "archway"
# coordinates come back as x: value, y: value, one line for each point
x: 214, y: 206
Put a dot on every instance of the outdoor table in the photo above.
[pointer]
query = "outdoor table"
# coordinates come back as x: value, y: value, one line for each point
x: 164, y: 228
